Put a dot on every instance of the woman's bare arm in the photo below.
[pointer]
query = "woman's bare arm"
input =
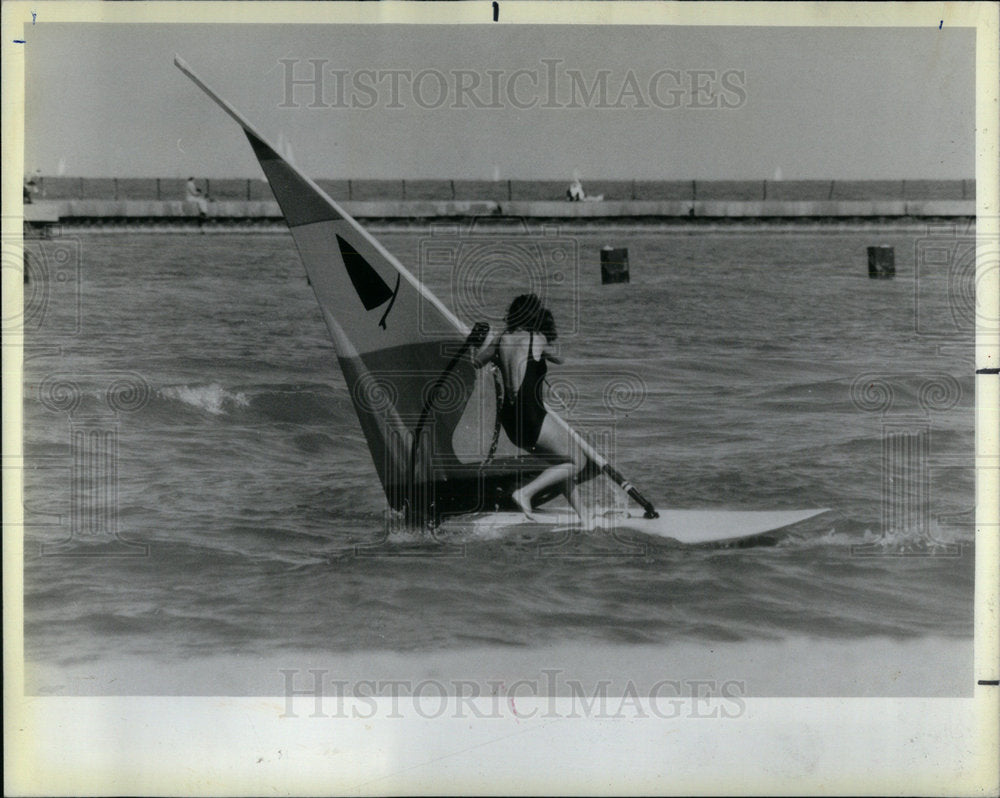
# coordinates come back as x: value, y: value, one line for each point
x: 487, y: 352
x: 542, y: 350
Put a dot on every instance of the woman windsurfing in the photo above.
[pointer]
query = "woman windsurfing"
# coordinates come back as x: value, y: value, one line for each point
x: 521, y: 352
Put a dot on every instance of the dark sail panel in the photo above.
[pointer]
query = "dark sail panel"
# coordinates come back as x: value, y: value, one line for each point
x: 372, y: 289
x: 299, y: 203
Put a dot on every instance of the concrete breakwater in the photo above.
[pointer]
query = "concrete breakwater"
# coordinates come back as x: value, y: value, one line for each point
x: 159, y: 202
x: 95, y: 212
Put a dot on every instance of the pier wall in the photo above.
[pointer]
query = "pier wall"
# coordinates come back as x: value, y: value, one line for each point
x: 233, y: 211
x: 249, y: 190
x: 161, y: 201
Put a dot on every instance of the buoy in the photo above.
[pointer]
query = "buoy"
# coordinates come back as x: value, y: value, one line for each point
x: 881, y: 262
x: 614, y: 265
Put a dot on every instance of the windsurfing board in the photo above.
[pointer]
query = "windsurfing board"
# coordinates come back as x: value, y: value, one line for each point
x: 403, y: 356
x: 687, y: 527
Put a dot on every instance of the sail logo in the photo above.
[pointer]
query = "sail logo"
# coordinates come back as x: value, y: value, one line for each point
x: 372, y: 290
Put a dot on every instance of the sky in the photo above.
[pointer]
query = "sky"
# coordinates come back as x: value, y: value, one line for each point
x: 680, y: 102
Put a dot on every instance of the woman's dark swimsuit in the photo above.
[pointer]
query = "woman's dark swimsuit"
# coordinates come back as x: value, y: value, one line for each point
x: 522, y: 415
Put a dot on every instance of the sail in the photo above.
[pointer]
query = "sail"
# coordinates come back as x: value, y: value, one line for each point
x: 406, y: 360
x: 405, y: 357
x: 401, y: 353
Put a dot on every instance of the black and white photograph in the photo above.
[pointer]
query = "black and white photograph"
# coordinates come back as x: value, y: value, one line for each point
x: 407, y: 398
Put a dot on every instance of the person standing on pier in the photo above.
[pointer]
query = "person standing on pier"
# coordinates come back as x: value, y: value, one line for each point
x: 31, y: 187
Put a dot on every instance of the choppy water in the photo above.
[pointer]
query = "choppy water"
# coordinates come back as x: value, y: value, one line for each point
x: 244, y: 472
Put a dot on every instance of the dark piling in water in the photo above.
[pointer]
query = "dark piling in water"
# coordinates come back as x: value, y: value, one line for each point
x: 614, y: 265
x: 881, y: 263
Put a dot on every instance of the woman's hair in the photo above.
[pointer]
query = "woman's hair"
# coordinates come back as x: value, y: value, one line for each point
x: 527, y: 312
x: 548, y: 325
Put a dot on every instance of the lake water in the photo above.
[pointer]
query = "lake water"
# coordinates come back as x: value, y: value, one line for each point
x: 752, y: 362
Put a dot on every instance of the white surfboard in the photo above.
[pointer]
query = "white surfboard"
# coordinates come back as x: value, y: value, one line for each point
x: 687, y: 527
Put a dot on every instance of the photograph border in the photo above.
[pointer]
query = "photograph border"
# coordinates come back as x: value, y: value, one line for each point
x: 213, y: 745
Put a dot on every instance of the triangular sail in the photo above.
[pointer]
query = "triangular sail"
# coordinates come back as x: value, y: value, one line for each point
x: 401, y: 351
x: 404, y: 355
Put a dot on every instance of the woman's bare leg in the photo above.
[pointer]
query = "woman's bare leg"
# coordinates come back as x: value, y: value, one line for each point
x: 552, y: 475
x: 553, y: 440
x: 572, y: 494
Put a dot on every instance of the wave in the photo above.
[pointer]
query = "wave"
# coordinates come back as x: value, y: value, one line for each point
x: 907, y: 392
x: 273, y: 401
x: 290, y: 403
x: 940, y: 538
x: 212, y: 398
